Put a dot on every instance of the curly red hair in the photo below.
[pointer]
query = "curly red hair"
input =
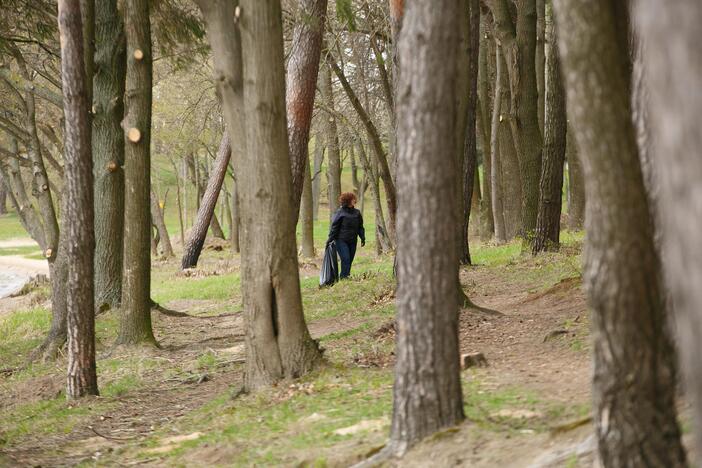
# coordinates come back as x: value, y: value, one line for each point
x: 346, y: 198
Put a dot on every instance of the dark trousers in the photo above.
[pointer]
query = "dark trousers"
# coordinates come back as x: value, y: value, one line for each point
x: 347, y: 250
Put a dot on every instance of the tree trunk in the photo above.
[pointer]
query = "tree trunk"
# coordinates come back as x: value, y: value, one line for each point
x: 382, y: 239
x: 3, y: 196
x: 82, y: 375
x: 426, y: 396
x: 519, y: 49
x: 135, y: 319
x: 497, y: 153
x: 278, y: 343
x: 332, y: 139
x: 303, y: 67
x: 511, y: 176
x: 674, y: 113
x: 483, y: 121
x: 634, y: 376
x: 236, y: 218
x: 193, y: 247
x: 470, y: 159
x: 576, y: 184
x: 215, y: 226
x: 548, y: 224
x: 158, y: 221
x: 306, y: 216
x: 541, y: 61
x: 317, y: 174
x: 108, y: 153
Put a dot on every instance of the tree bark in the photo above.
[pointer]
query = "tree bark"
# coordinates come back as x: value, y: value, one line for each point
x: 135, y: 319
x: 576, y: 184
x: 108, y: 152
x: 495, y: 153
x: 548, y: 223
x: 307, y: 224
x: 82, y: 375
x: 634, y: 373
x: 426, y: 397
x: 541, y: 61
x: 332, y: 140
x: 674, y: 123
x: 470, y: 158
x: 511, y: 176
x: 278, y: 342
x: 383, y: 243
x: 236, y: 218
x: 303, y: 67
x: 519, y: 49
x: 483, y: 120
x: 3, y: 196
x: 193, y: 247
x: 316, y: 175
x: 158, y: 221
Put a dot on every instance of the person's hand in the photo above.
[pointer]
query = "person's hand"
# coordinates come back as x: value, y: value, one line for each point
x: 363, y: 243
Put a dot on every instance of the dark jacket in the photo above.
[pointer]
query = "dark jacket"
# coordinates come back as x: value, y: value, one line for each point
x: 346, y: 225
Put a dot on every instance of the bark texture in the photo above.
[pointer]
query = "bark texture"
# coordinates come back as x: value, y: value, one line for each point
x: 303, y: 67
x: 634, y: 373
x: 307, y: 224
x: 108, y: 152
x: 278, y: 344
x: 135, y: 318
x: 82, y: 376
x: 426, y: 397
x: 198, y: 233
x: 674, y: 68
x: 576, y: 184
x: 548, y: 223
x: 495, y: 156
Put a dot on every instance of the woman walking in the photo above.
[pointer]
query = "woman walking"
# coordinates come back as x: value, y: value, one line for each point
x: 346, y: 227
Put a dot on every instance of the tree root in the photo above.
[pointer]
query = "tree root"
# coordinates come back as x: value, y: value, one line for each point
x: 175, y: 313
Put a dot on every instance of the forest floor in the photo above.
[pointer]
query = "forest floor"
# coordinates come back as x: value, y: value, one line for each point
x: 179, y: 405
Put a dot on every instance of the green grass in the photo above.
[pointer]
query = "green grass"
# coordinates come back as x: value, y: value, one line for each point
x: 27, y: 251
x: 281, y: 425
x: 10, y: 227
x: 21, y: 331
x: 167, y: 288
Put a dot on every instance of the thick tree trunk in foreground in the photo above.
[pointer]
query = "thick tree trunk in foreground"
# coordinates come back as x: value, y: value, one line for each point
x: 160, y: 223
x: 634, y: 373
x: 332, y: 139
x: 576, y: 183
x: 193, y: 246
x: 303, y: 67
x: 278, y: 343
x: 108, y: 153
x: 307, y: 224
x: 427, y: 395
x: 82, y: 375
x: 675, y: 112
x: 135, y: 318
x: 548, y: 224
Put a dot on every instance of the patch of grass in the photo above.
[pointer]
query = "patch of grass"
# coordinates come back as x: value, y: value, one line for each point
x: 43, y: 417
x: 167, y: 288
x: 281, y: 425
x: 21, y: 331
x: 10, y: 227
x: 27, y: 251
